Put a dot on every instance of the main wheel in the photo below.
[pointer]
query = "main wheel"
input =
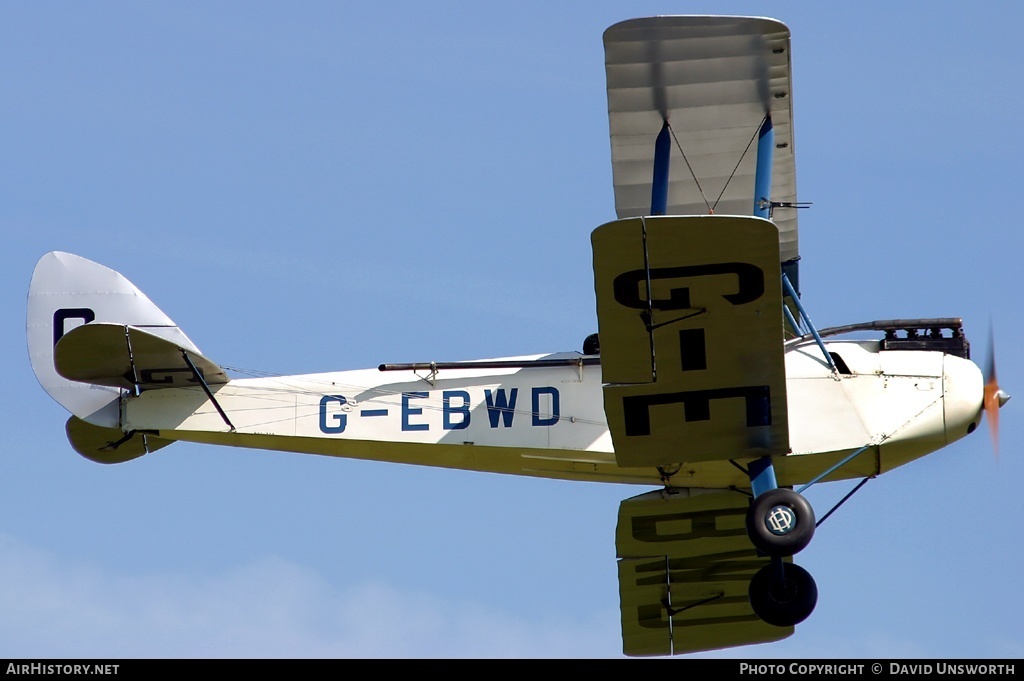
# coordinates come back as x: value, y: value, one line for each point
x: 780, y: 523
x: 783, y: 600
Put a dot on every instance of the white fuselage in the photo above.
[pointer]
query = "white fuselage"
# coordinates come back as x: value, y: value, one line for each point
x: 550, y: 421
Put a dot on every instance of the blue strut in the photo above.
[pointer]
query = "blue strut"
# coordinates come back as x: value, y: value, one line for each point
x: 762, y: 472
x: 762, y: 476
x: 763, y: 174
x: 659, y: 183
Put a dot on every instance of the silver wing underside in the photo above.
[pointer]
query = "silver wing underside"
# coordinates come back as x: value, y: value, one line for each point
x: 713, y: 79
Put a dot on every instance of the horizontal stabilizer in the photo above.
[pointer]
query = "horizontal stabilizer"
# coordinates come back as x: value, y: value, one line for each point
x: 121, y: 356
x: 109, y: 445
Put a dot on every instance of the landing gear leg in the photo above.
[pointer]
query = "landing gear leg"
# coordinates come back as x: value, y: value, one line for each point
x: 780, y: 523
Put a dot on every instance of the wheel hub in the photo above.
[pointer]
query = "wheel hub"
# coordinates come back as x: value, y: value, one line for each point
x: 780, y: 520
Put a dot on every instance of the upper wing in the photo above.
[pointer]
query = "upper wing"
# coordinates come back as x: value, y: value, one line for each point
x: 684, y: 569
x: 689, y: 313
x: 713, y: 79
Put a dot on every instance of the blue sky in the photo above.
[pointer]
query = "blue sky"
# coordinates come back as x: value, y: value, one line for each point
x: 319, y: 186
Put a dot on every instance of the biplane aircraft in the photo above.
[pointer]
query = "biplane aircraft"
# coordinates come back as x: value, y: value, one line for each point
x: 706, y: 380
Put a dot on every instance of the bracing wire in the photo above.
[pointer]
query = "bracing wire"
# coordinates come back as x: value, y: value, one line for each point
x: 711, y: 207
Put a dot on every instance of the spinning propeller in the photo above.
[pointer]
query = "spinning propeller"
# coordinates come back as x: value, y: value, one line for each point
x: 994, y: 397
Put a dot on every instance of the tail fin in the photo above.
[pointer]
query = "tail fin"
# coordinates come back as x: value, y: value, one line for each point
x: 68, y: 291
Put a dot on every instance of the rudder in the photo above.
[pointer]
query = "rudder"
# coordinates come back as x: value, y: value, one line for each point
x: 67, y: 291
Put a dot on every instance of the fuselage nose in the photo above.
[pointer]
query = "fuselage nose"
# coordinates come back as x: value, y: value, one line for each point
x: 963, y: 389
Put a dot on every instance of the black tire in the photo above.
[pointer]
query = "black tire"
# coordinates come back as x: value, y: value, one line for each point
x: 783, y: 602
x: 768, y: 535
